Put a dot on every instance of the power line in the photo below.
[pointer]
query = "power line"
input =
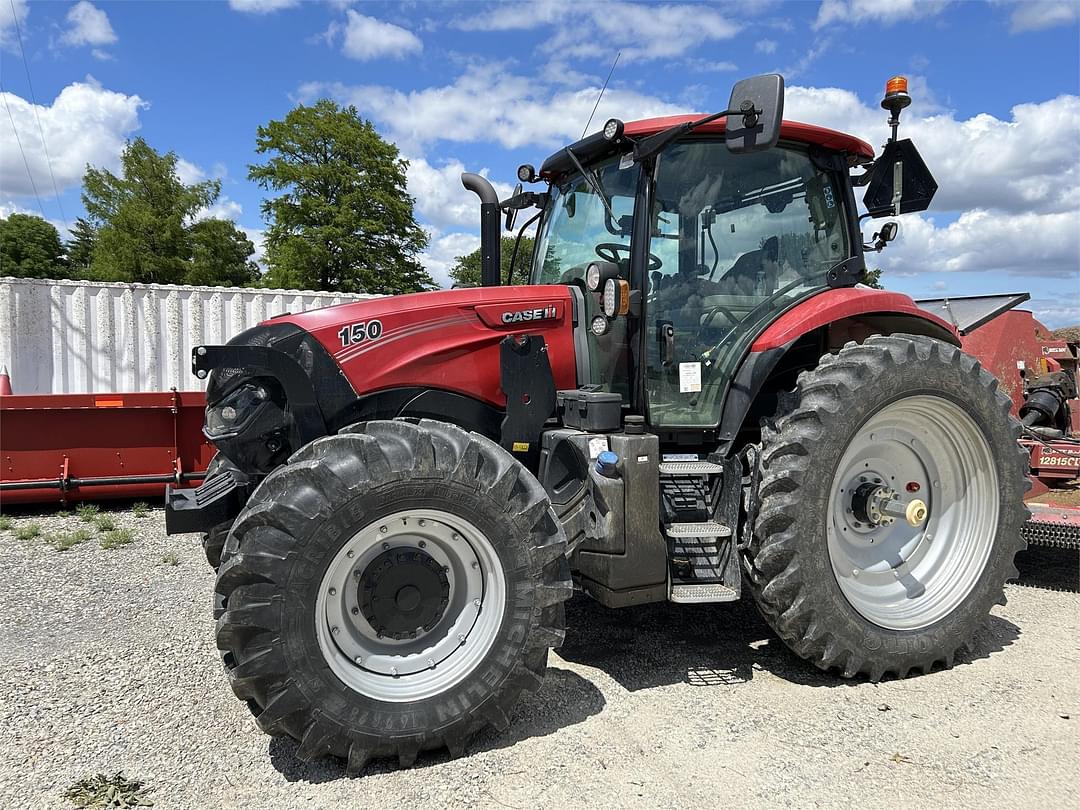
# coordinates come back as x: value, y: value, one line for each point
x: 37, y: 117
x: 26, y: 163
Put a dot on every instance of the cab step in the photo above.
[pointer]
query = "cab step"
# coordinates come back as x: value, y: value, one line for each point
x: 690, y: 468
x: 705, y: 592
x: 707, y: 529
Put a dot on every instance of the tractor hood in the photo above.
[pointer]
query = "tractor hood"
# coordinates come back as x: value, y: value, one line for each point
x: 448, y: 339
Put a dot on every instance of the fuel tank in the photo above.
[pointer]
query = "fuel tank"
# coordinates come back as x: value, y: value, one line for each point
x: 447, y: 339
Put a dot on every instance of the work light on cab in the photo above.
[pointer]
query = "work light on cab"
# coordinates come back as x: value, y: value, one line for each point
x: 613, y: 129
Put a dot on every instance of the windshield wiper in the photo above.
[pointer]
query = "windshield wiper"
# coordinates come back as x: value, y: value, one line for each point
x: 594, y: 184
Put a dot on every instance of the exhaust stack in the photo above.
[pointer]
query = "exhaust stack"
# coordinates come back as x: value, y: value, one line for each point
x: 490, y: 244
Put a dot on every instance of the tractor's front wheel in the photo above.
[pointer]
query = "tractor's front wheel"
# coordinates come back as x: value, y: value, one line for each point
x: 391, y: 590
x: 891, y: 502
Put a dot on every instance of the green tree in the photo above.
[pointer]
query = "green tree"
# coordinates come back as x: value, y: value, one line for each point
x: 30, y: 248
x: 873, y: 278
x: 466, y: 269
x: 80, y: 248
x: 146, y: 229
x: 344, y: 220
x: 221, y: 255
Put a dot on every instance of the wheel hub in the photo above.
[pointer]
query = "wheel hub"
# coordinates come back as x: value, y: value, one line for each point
x: 403, y: 592
x: 410, y: 604
x: 912, y: 512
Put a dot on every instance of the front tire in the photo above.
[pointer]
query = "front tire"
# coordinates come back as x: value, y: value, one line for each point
x: 898, y: 421
x: 391, y: 590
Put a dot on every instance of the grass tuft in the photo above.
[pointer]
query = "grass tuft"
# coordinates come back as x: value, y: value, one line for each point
x: 28, y: 531
x: 170, y: 559
x: 108, y: 791
x: 5, y: 523
x: 117, y: 538
x: 87, y: 512
x: 140, y: 509
x: 62, y: 541
x: 104, y: 523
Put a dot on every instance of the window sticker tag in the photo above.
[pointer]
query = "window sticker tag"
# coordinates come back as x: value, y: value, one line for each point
x: 642, y: 459
x: 597, y: 445
x: 689, y: 378
x: 626, y: 161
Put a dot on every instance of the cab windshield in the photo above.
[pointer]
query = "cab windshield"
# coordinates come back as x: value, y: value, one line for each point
x: 577, y: 221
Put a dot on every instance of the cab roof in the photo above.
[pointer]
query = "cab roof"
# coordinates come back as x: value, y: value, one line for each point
x: 858, y: 150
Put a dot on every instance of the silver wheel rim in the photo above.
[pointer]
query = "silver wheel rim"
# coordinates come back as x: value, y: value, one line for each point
x: 905, y: 577
x: 408, y: 669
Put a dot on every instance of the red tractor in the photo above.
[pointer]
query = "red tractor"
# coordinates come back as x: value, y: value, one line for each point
x: 692, y: 395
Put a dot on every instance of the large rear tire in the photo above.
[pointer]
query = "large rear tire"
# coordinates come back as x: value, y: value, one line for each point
x: 845, y: 575
x: 391, y: 590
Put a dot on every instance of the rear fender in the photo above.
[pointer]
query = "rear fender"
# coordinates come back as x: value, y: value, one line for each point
x: 797, y: 340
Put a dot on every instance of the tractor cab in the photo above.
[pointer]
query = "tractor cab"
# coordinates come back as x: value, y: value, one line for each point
x: 726, y: 243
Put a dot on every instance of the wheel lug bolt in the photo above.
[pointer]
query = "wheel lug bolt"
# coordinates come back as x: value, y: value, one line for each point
x: 461, y: 638
x: 855, y: 572
x: 431, y: 663
x: 350, y: 554
x: 475, y: 564
x: 476, y: 602
x: 393, y: 671
x: 356, y: 611
x: 423, y: 544
x: 386, y: 546
x: 359, y: 660
x: 335, y: 630
x: 455, y: 536
x: 383, y: 530
x: 333, y: 591
x: 423, y: 522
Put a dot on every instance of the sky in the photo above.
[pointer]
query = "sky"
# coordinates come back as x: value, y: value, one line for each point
x: 479, y: 86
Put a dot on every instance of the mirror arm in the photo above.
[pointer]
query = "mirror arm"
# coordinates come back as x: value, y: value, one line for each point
x: 526, y: 199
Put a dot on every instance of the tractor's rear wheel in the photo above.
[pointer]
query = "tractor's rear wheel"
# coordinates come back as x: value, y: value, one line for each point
x: 891, y: 503
x: 391, y: 590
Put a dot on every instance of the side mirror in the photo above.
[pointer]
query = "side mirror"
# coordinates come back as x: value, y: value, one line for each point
x: 899, y: 183
x: 571, y: 204
x: 760, y: 102
x: 511, y: 213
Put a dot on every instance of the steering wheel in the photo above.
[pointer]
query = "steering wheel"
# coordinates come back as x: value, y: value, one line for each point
x: 609, y: 252
x: 714, y: 310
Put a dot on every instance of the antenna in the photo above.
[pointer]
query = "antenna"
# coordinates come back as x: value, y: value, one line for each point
x: 602, y: 89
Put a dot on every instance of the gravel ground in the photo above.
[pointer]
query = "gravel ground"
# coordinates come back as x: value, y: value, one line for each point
x: 107, y: 662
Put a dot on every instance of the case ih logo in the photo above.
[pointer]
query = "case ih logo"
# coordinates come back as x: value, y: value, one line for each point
x: 539, y: 314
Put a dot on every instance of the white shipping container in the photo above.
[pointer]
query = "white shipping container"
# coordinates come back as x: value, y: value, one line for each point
x: 73, y: 337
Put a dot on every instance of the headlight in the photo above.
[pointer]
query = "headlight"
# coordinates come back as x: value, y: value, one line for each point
x: 599, y: 325
x: 611, y: 294
x: 592, y: 277
x: 236, y: 409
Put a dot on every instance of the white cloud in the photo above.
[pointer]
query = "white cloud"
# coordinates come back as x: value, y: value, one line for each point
x: 883, y: 11
x: 1056, y: 313
x: 366, y: 38
x: 224, y: 208
x: 261, y: 6
x: 591, y: 30
x: 11, y: 207
x: 257, y: 237
x: 441, y: 199
x: 1024, y: 164
x: 490, y: 106
x: 188, y: 172
x: 12, y: 12
x: 85, y: 124
x: 87, y: 25
x: 765, y: 46
x: 1025, y: 244
x: 1035, y: 15
x: 443, y: 249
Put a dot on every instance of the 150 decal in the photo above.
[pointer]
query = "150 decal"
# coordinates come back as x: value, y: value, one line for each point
x: 354, y: 333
